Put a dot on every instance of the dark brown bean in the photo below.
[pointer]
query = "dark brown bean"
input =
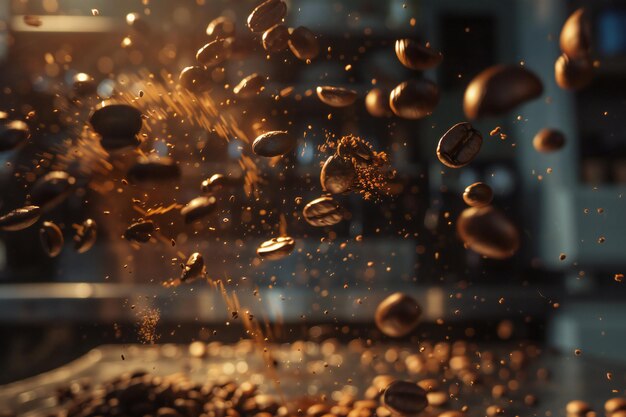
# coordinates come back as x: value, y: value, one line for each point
x: 416, y: 56
x: 575, y: 38
x: 13, y: 134
x: 355, y: 149
x: 499, y: 89
x: 573, y: 74
x: 275, y: 143
x: 578, y: 407
x: 250, y: 86
x: 459, y: 145
x: 215, y: 52
x: 488, y: 232
x: 153, y: 168
x: 20, y: 218
x: 220, y: 27
x: 83, y: 84
x: 397, y: 315
x: 377, y: 103
x: 52, y: 189
x: 195, y: 79
x: 276, y: 248
x: 140, y: 232
x: 276, y: 38
x: 614, y: 404
x: 336, y: 96
x: 303, y: 43
x: 478, y: 194
x: 267, y: 14
x: 138, y: 23
x: 194, y: 268
x: 548, y: 140
x: 117, y: 122
x: 51, y: 239
x: 213, y: 184
x: 323, y: 211
x: 405, y: 398
x: 198, y: 208
x: 414, y: 99
x: 338, y: 174
x: 85, y: 236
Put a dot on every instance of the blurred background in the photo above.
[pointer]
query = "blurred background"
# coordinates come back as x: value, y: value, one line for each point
x: 569, y: 202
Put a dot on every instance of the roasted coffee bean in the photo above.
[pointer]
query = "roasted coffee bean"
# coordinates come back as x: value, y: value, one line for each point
x: 138, y: 23
x: 85, y: 236
x: 140, y: 232
x: 84, y: 84
x: 405, y: 398
x: 250, y: 86
x: 614, y: 404
x: 198, y: 208
x: 573, y: 74
x: 397, y: 315
x: 52, y: 189
x: 338, y: 174
x: 303, y: 43
x: 478, y: 194
x: 51, y: 239
x: 275, y: 143
x: 267, y: 14
x: 215, y: 52
x: 578, y: 407
x: 20, y: 218
x: 357, y: 150
x: 575, y: 40
x: 336, y: 96
x: 548, y: 140
x: 213, y: 184
x: 153, y: 168
x: 220, y: 27
x: 499, y: 89
x: 323, y: 211
x: 377, y: 103
x: 416, y: 56
x: 116, y: 121
x: 194, y: 268
x: 276, y: 38
x: 317, y: 410
x: 195, y: 79
x: 13, y: 134
x: 276, y: 248
x: 414, y: 99
x: 459, y: 145
x: 488, y: 232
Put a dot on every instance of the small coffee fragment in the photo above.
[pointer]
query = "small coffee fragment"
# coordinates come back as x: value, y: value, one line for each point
x: 20, y: 218
x: 303, y: 43
x: 377, y: 103
x: 459, y: 145
x: 85, y: 236
x: 499, y: 89
x: 276, y: 38
x: 397, y: 315
x: 275, y: 143
x: 488, y: 232
x: 416, y: 56
x: 250, y: 86
x: 336, y: 96
x: 323, y: 211
x: 276, y: 248
x: 573, y: 74
x: 194, y: 268
x: 51, y: 239
x: 548, y: 140
x: 337, y: 175
x: 266, y: 15
x: 140, y: 232
x: 198, y: 208
x: 405, y: 398
x: 414, y: 99
x: 478, y: 194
